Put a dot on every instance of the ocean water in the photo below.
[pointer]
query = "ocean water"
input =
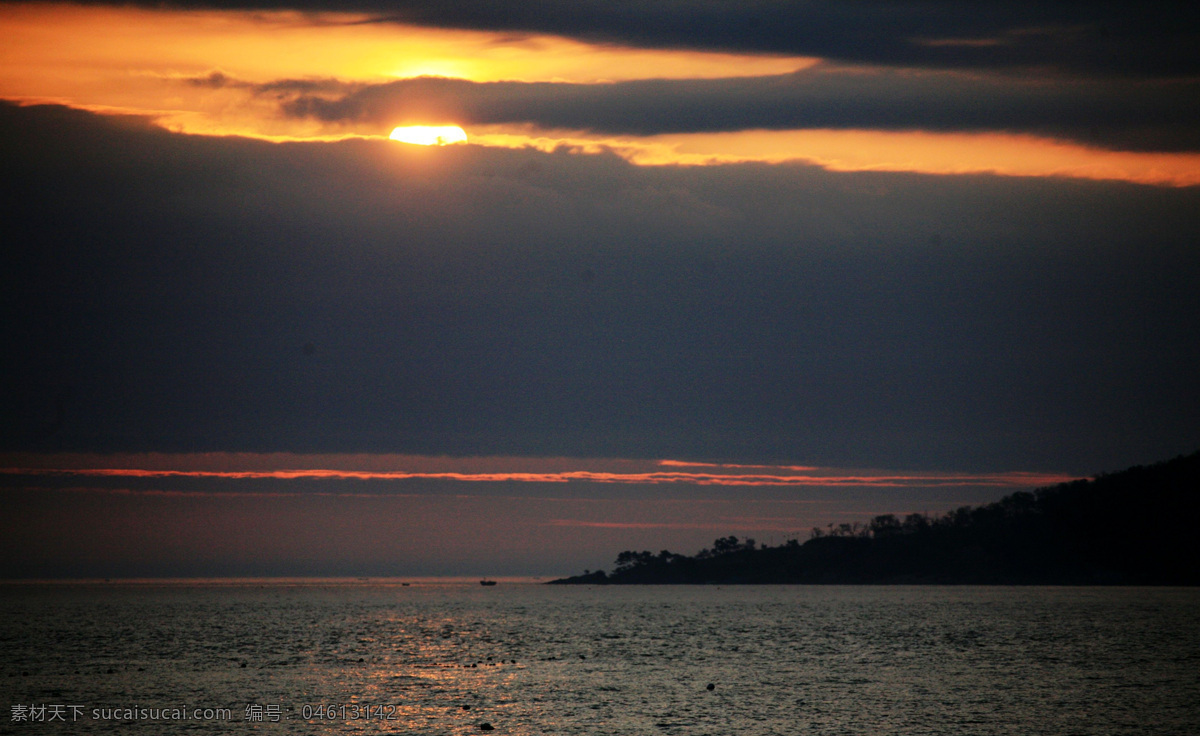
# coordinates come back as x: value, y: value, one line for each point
x: 446, y: 658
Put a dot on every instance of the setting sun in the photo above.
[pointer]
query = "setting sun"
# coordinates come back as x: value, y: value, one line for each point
x: 429, y: 135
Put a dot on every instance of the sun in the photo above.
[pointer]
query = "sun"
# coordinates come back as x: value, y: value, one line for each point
x: 429, y: 135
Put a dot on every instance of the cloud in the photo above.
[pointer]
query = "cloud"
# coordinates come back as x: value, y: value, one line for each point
x: 181, y: 293
x: 1150, y: 39
x: 782, y: 477
x: 1119, y: 114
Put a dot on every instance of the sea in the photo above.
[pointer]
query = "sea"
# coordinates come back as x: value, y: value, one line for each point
x: 454, y: 657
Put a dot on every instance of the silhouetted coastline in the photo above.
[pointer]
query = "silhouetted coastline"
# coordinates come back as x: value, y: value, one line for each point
x: 1134, y: 527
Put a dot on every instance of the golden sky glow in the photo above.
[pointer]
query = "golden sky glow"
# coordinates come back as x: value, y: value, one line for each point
x: 137, y: 61
x: 429, y: 135
x: 52, y: 44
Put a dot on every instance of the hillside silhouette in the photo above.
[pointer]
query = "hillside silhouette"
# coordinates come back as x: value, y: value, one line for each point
x: 1139, y: 526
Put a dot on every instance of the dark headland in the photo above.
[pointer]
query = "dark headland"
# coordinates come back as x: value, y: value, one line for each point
x: 1140, y: 526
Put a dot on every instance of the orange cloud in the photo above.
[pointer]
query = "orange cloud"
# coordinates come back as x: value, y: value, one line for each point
x: 870, y: 150
x: 718, y: 474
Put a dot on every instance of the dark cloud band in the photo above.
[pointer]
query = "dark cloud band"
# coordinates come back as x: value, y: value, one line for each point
x: 1116, y: 114
x: 164, y: 292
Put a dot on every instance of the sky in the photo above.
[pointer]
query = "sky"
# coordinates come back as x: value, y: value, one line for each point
x: 699, y: 269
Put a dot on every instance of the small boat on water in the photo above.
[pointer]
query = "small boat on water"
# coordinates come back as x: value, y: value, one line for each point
x: 485, y: 581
